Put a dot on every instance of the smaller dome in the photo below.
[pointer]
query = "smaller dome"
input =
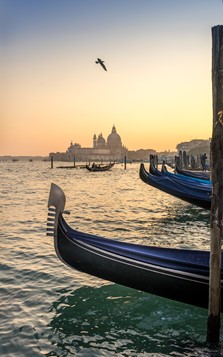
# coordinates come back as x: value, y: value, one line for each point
x: 100, y: 141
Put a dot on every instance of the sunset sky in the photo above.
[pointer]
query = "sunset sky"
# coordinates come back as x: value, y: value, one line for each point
x: 157, y: 90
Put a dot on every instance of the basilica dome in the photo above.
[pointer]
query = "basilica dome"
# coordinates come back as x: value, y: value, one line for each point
x: 114, y: 139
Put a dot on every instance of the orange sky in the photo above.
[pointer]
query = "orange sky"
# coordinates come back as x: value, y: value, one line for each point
x: 157, y: 90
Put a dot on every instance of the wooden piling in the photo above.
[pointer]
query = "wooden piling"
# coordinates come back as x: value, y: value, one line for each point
x: 216, y: 221
x: 51, y: 162
x: 125, y: 163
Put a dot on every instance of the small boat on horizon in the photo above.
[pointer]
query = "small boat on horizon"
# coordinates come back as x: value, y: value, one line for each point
x: 72, y: 167
x: 99, y: 167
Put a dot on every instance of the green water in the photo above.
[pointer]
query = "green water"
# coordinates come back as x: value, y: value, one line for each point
x: 48, y: 309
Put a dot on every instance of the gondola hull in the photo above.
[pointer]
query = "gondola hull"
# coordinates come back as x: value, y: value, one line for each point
x: 202, y: 174
x: 177, y: 274
x: 188, y: 288
x: 99, y: 168
x: 186, y: 192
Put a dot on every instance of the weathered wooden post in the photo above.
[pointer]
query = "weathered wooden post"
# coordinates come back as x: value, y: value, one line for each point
x: 216, y: 222
x: 125, y: 163
x: 51, y: 162
x: 181, y: 159
x: 74, y: 162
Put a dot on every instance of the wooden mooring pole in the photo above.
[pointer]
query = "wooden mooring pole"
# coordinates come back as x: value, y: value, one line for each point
x: 51, y: 162
x: 216, y: 221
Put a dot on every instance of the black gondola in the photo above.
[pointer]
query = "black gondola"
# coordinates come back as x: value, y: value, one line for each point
x: 177, y: 274
x: 98, y: 168
x: 197, y: 174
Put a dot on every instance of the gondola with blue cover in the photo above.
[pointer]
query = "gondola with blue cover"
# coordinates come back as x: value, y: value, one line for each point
x: 205, y: 175
x: 197, y: 194
x: 177, y: 274
x: 188, y: 181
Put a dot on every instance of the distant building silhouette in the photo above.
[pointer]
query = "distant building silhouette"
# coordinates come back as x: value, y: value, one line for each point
x: 193, y: 144
x: 102, y: 150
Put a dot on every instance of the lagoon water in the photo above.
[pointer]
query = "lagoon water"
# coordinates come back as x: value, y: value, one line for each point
x: 48, y: 309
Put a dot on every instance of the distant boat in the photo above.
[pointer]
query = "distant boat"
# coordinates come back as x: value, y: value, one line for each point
x: 177, y: 274
x: 72, y: 167
x: 97, y: 167
x: 66, y: 167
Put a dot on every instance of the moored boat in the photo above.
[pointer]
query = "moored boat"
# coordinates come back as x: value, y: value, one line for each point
x: 189, y: 191
x: 177, y: 274
x: 205, y: 175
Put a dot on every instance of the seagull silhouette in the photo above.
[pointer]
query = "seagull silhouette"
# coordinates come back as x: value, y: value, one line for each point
x: 101, y: 63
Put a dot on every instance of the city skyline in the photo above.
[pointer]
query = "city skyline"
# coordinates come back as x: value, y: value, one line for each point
x: 157, y: 89
x: 105, y: 137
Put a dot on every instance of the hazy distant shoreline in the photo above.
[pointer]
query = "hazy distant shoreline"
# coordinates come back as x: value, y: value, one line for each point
x: 23, y: 158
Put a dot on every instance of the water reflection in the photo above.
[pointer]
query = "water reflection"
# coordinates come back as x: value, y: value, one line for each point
x: 114, y: 320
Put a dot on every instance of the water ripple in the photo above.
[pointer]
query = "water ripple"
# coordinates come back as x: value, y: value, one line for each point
x: 48, y: 309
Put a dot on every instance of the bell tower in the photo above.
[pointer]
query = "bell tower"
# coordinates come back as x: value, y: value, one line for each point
x: 94, y: 141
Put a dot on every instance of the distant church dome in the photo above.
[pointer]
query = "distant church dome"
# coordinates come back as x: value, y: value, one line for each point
x: 100, y: 141
x: 114, y: 139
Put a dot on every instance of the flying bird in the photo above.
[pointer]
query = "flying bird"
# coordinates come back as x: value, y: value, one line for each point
x: 101, y: 63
